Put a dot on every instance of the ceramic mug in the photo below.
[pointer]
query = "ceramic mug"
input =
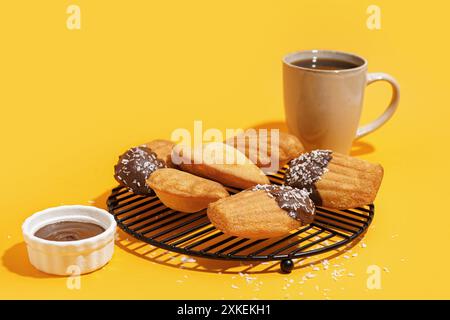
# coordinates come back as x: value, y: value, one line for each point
x: 323, y: 107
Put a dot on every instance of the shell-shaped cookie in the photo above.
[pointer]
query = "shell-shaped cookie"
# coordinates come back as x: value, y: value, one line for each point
x: 222, y: 163
x: 349, y: 182
x: 163, y: 149
x: 251, y: 214
x: 335, y: 180
x: 183, y: 191
x: 261, y: 152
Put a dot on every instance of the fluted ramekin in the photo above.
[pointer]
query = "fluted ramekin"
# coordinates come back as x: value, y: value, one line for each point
x: 70, y: 257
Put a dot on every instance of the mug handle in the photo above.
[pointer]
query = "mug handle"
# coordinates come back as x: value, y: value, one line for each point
x: 374, y: 77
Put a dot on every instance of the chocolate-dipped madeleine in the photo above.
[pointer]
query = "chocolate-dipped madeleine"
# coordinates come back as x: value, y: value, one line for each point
x: 335, y: 180
x: 264, y: 211
x: 135, y: 166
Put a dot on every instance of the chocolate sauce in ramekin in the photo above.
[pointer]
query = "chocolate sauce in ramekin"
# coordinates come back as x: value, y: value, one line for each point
x: 69, y: 231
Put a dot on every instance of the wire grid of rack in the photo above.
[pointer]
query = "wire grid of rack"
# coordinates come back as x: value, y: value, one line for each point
x: 150, y: 221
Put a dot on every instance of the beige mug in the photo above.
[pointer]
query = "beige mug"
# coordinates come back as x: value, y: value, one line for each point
x: 323, y: 106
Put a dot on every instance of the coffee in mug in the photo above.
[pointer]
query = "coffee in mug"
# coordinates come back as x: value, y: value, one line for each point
x: 323, y: 98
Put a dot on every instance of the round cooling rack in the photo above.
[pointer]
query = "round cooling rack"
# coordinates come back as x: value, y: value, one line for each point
x: 150, y: 221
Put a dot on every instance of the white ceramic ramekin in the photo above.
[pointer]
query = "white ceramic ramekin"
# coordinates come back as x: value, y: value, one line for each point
x: 70, y: 257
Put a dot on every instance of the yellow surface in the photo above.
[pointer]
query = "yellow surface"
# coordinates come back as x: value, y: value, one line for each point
x: 72, y: 100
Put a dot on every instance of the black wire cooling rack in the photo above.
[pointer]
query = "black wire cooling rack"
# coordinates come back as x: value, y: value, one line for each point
x: 150, y: 221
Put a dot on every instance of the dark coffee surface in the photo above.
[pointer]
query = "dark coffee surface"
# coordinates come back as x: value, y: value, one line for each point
x: 325, y: 64
x: 69, y: 231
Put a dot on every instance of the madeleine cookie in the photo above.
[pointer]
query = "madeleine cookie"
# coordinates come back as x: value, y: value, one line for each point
x: 222, y: 163
x: 135, y: 166
x: 262, y: 212
x: 261, y: 152
x: 183, y: 191
x: 163, y: 149
x: 335, y: 180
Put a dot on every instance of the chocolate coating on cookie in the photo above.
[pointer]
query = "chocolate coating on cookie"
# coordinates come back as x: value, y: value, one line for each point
x: 295, y: 202
x: 134, y: 168
x: 307, y: 169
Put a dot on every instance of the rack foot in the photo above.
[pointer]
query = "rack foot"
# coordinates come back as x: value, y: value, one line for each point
x: 286, y: 266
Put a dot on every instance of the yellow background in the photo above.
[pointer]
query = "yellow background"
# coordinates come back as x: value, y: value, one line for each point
x: 72, y: 101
